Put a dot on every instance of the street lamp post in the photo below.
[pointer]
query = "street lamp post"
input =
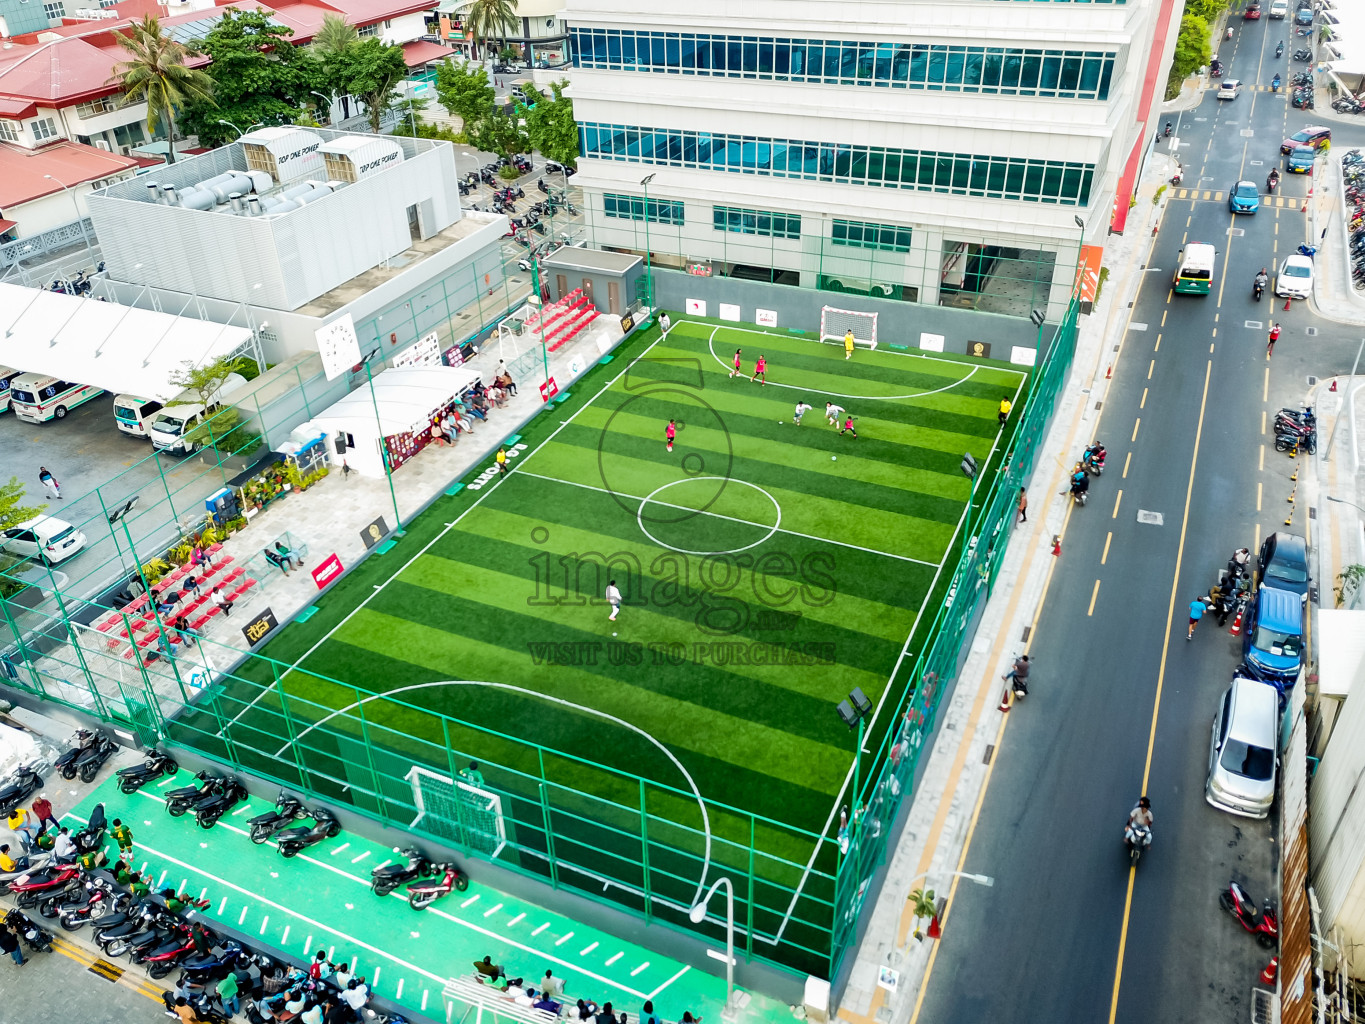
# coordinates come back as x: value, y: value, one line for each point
x: 985, y: 880
x: 239, y: 131
x: 698, y: 914
x: 326, y: 99
x: 649, y: 273
x: 79, y: 219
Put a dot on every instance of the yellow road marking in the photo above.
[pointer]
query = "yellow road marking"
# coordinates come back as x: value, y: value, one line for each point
x: 1136, y: 423
x: 1093, y: 594
x: 1105, y: 557
x: 1261, y: 467
x: 1127, y: 460
x: 1265, y: 388
x: 1143, y: 403
x: 1150, y: 367
x: 1263, y: 434
x: 1258, y: 496
x: 1160, y: 681
x: 1163, y: 318
x: 1117, y: 498
x: 1158, y: 347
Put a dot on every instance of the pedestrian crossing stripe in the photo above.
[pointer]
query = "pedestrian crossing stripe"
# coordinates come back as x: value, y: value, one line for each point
x: 1219, y: 196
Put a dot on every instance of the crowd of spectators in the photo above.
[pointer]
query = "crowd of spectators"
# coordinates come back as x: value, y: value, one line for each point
x: 552, y: 998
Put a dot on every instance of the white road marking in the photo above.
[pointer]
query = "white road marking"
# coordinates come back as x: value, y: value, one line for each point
x: 541, y: 928
x: 492, y: 910
x: 472, y: 899
x: 516, y: 919
x: 640, y: 968
x: 264, y: 921
x: 242, y: 916
x: 340, y: 848
x: 357, y: 860
x: 588, y: 949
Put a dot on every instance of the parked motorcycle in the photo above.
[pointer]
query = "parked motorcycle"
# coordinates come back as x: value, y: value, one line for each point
x: 91, y: 759
x: 178, y: 801
x: 134, y: 777
x: 38, y: 885
x: 388, y: 877
x: 423, y: 894
x: 293, y: 841
x: 92, y: 836
x: 23, y: 782
x: 208, y: 809
x: 207, y: 1008
x: 35, y: 938
x: 165, y: 958
x: 1292, y: 442
x: 82, y: 741
x: 100, y: 899
x: 287, y: 809
x: 1265, y: 924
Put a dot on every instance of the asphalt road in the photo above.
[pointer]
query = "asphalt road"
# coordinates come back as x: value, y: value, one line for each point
x: 1120, y: 702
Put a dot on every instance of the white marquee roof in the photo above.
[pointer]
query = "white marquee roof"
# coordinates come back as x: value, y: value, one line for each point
x: 405, y: 396
x: 123, y: 349
x: 1348, y: 30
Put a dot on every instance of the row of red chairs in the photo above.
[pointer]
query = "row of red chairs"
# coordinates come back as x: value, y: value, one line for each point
x: 140, y: 603
x: 570, y: 329
x: 198, y: 623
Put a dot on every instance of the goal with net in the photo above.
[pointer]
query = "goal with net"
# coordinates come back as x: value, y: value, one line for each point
x: 836, y: 323
x: 466, y: 815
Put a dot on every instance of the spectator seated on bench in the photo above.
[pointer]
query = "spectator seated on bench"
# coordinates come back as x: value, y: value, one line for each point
x: 288, y: 554
x: 489, y: 971
x: 278, y: 561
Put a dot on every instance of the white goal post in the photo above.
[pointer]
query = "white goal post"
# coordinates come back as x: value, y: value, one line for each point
x: 836, y: 323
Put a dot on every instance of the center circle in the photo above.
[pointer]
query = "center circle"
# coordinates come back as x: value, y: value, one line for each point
x: 640, y: 516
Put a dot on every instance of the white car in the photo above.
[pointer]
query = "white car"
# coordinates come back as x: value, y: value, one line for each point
x: 46, y: 538
x: 1295, y: 278
x: 1228, y: 88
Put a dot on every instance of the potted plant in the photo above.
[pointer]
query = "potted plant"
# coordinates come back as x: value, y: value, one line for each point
x: 922, y: 904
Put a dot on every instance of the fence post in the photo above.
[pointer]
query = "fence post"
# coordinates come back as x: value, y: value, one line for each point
x: 549, y: 821
x: 455, y: 785
x: 23, y: 650
x: 749, y: 925
x: 644, y: 850
x: 288, y: 717
x: 369, y: 756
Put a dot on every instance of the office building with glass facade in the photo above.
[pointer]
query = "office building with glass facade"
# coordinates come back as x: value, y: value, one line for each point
x: 929, y: 152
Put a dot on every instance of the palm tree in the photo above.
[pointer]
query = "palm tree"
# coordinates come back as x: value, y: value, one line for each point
x: 335, y: 34
x: 491, y: 18
x: 156, y: 75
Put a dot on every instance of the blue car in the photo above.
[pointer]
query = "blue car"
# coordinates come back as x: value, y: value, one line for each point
x: 1301, y: 159
x: 1272, y: 645
x: 1244, y: 197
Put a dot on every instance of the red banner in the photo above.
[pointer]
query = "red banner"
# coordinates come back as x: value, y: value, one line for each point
x: 548, y: 390
x: 328, y: 570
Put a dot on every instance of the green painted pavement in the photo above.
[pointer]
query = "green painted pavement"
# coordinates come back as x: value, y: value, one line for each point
x: 321, y: 899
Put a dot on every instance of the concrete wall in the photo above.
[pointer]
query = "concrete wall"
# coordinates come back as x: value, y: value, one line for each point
x: 898, y: 322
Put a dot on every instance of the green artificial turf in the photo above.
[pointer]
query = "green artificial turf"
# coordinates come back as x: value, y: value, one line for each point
x: 774, y: 569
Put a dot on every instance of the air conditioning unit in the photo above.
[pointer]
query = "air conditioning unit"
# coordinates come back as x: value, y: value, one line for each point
x: 101, y: 144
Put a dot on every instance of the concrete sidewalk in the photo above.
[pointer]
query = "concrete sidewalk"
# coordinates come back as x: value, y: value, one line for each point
x: 1334, y: 295
x: 930, y: 848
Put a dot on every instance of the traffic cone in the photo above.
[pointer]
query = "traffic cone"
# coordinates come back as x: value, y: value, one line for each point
x: 1271, y: 971
x: 1109, y: 375
x: 1056, y: 544
x: 1236, y: 629
x: 1334, y: 385
x: 1292, y: 493
x: 1286, y: 305
x: 1004, y: 700
x: 936, y: 932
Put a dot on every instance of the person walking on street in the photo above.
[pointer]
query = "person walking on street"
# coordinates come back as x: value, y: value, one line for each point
x: 123, y: 835
x: 1023, y: 505
x: 9, y: 943
x: 1274, y: 337
x: 51, y: 489
x: 1197, y: 610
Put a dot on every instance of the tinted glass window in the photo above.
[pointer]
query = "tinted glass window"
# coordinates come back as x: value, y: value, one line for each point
x: 1287, y: 645
x: 1250, y: 762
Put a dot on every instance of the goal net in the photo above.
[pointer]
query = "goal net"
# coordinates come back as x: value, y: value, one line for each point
x: 457, y: 811
x: 836, y: 323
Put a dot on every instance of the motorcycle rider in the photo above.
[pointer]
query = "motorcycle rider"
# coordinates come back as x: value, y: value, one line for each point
x: 1080, y: 483
x: 1262, y: 279
x: 1279, y: 49
x: 1167, y: 131
x: 1139, y: 817
x: 1019, y: 674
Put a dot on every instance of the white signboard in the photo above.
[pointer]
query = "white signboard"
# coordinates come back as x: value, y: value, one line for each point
x: 931, y: 342
x: 729, y: 311
x: 765, y: 317
x: 338, y: 346
x: 1021, y: 355
x: 427, y: 352
x: 696, y: 307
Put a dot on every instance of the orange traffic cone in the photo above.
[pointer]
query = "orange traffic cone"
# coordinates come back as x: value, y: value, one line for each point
x: 1109, y: 373
x: 1334, y: 385
x: 1236, y: 629
x: 1056, y: 544
x: 1004, y: 700
x: 936, y: 932
x: 1286, y: 305
x: 1268, y: 976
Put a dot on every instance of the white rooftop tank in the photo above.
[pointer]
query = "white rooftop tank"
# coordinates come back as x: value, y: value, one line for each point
x: 285, y: 153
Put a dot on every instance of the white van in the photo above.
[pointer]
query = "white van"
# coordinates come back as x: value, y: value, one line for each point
x: 134, y: 415
x: 37, y: 398
x: 175, y: 422
x: 7, y: 375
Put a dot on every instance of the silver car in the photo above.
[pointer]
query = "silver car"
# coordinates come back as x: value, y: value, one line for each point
x: 1242, y: 758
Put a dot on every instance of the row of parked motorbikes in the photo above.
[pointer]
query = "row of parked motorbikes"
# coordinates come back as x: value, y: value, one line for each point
x: 1296, y: 430
x: 1091, y: 463
x: 86, y: 756
x: 1353, y: 189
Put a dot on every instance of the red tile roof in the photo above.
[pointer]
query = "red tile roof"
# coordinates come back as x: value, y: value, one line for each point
x: 420, y: 51
x: 22, y: 170
x: 57, y: 73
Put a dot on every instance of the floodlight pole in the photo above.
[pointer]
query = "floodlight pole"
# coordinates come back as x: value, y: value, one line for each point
x: 540, y: 307
x: 85, y: 235
x: 649, y: 272
x: 384, y: 453
x: 857, y: 777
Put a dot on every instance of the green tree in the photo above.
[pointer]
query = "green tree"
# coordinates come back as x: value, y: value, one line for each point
x: 371, y: 71
x: 204, y: 380
x: 464, y: 90
x: 335, y: 37
x: 259, y: 77
x: 155, y: 74
x: 1191, y: 52
x: 551, y: 125
x: 13, y: 511
x: 491, y: 19
x: 498, y: 133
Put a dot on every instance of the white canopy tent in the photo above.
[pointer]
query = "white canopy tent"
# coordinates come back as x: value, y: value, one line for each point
x: 123, y: 349
x: 405, y: 399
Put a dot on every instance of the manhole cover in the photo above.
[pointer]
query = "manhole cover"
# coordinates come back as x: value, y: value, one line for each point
x: 1255, y: 325
x: 1151, y: 518
x: 1262, y: 1006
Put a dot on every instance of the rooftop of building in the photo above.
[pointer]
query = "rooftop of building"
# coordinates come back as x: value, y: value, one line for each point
x: 23, y: 172
x: 575, y: 258
x: 76, y: 61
